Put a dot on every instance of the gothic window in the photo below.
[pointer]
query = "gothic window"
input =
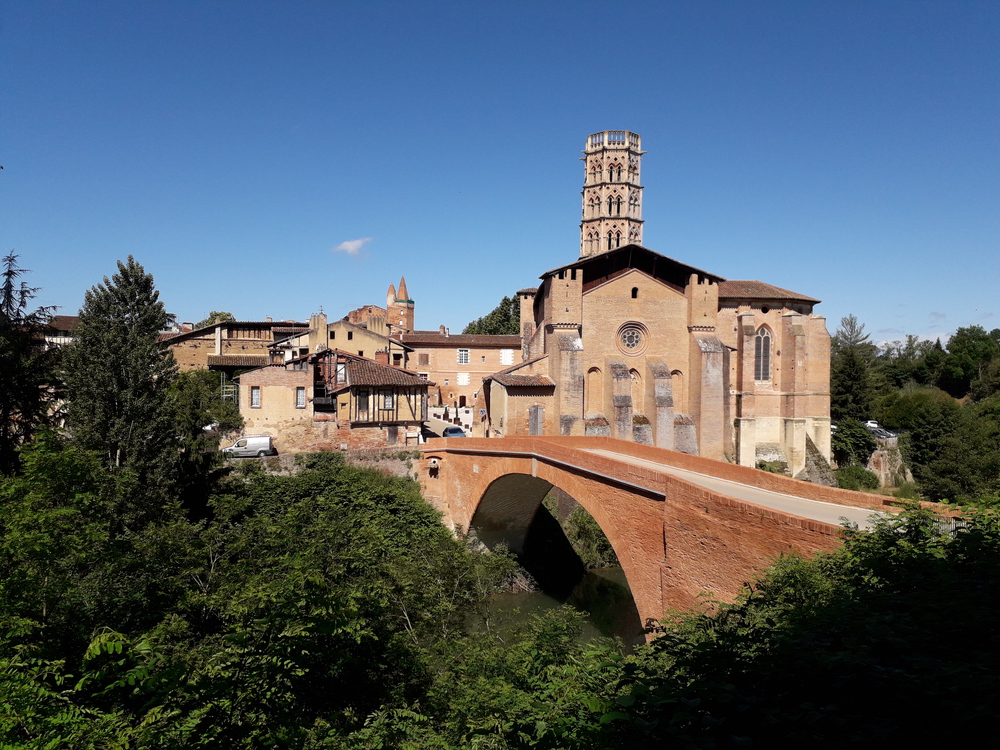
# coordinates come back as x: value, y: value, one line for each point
x: 618, y: 206
x: 762, y: 355
x: 618, y: 239
x: 611, y: 241
x: 611, y: 205
x: 618, y: 172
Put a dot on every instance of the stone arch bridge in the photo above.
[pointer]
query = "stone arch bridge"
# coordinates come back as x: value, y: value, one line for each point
x: 681, y: 525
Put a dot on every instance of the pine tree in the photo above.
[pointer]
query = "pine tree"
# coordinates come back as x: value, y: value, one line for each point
x: 25, y: 365
x: 117, y: 378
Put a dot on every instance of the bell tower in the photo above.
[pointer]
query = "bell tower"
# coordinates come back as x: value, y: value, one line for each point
x: 612, y: 195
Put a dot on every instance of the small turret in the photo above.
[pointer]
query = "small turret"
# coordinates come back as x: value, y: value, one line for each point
x: 390, y: 297
x: 402, y: 294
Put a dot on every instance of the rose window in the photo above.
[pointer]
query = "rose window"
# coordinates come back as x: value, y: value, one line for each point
x: 632, y: 338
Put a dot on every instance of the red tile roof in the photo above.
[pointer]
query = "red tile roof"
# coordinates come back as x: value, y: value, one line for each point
x: 434, y: 338
x: 64, y: 322
x: 750, y: 289
x: 510, y: 377
x: 238, y: 360
x: 368, y: 372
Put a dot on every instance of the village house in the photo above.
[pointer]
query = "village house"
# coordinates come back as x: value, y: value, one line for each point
x: 229, y: 346
x: 459, y: 362
x: 366, y: 339
x: 333, y: 400
x: 629, y: 343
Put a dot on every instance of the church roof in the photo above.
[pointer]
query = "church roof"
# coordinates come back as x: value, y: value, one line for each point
x: 634, y: 256
x: 751, y: 289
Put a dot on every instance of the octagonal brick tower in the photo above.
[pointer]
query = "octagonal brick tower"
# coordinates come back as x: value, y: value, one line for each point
x: 612, y: 195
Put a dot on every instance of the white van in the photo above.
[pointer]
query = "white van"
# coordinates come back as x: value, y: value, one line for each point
x: 251, y: 445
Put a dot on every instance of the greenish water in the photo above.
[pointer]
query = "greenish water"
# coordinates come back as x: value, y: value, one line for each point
x: 602, y: 594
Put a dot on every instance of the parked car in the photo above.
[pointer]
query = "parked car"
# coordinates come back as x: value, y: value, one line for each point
x: 251, y: 445
x: 455, y: 431
x: 871, y: 423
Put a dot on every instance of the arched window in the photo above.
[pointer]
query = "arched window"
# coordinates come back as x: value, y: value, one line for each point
x: 638, y: 400
x: 618, y: 205
x: 611, y: 240
x: 611, y: 205
x: 762, y: 355
x: 594, y: 393
x: 635, y: 292
x: 618, y: 239
x: 619, y: 173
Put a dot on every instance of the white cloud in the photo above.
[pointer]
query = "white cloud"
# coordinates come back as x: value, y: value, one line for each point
x: 352, y: 247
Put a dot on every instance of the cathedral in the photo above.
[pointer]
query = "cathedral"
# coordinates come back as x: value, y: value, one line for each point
x: 628, y: 343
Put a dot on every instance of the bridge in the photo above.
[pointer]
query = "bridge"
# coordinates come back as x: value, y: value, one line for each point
x: 682, y: 526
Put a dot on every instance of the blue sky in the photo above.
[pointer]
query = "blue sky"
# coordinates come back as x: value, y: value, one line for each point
x: 846, y: 150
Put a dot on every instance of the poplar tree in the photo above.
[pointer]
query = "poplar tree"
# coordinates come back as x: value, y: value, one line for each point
x: 117, y: 377
x: 24, y: 364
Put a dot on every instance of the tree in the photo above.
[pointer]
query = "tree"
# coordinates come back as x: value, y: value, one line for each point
x: 503, y: 320
x: 24, y: 363
x: 199, y: 415
x: 215, y: 317
x: 117, y: 376
x: 851, y: 391
x: 852, y: 443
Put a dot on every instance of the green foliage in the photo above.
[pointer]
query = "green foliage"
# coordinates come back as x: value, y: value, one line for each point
x: 588, y: 540
x: 504, y: 319
x: 199, y: 414
x: 852, y: 443
x: 118, y: 376
x: 851, y: 391
x: 857, y: 478
x: 215, y: 317
x: 774, y: 467
x: 25, y: 365
x: 842, y: 646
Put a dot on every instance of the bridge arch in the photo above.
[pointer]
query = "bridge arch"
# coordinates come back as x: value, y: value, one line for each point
x: 499, y: 497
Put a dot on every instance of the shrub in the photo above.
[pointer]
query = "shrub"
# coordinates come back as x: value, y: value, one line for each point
x: 856, y: 478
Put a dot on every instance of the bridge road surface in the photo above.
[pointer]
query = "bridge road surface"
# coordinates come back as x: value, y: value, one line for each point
x: 816, y: 510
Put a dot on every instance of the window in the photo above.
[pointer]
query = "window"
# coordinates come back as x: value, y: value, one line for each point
x: 446, y: 381
x: 362, y: 402
x: 341, y: 372
x: 463, y: 378
x: 350, y: 335
x: 463, y: 356
x: 387, y: 399
x: 300, y: 397
x: 762, y: 355
x: 635, y: 292
x: 423, y: 359
x: 632, y: 338
x: 506, y: 356
x: 255, y: 397
x: 484, y: 358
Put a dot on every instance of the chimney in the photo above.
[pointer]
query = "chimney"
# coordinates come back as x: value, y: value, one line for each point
x: 442, y: 331
x: 382, y: 357
x: 268, y: 319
